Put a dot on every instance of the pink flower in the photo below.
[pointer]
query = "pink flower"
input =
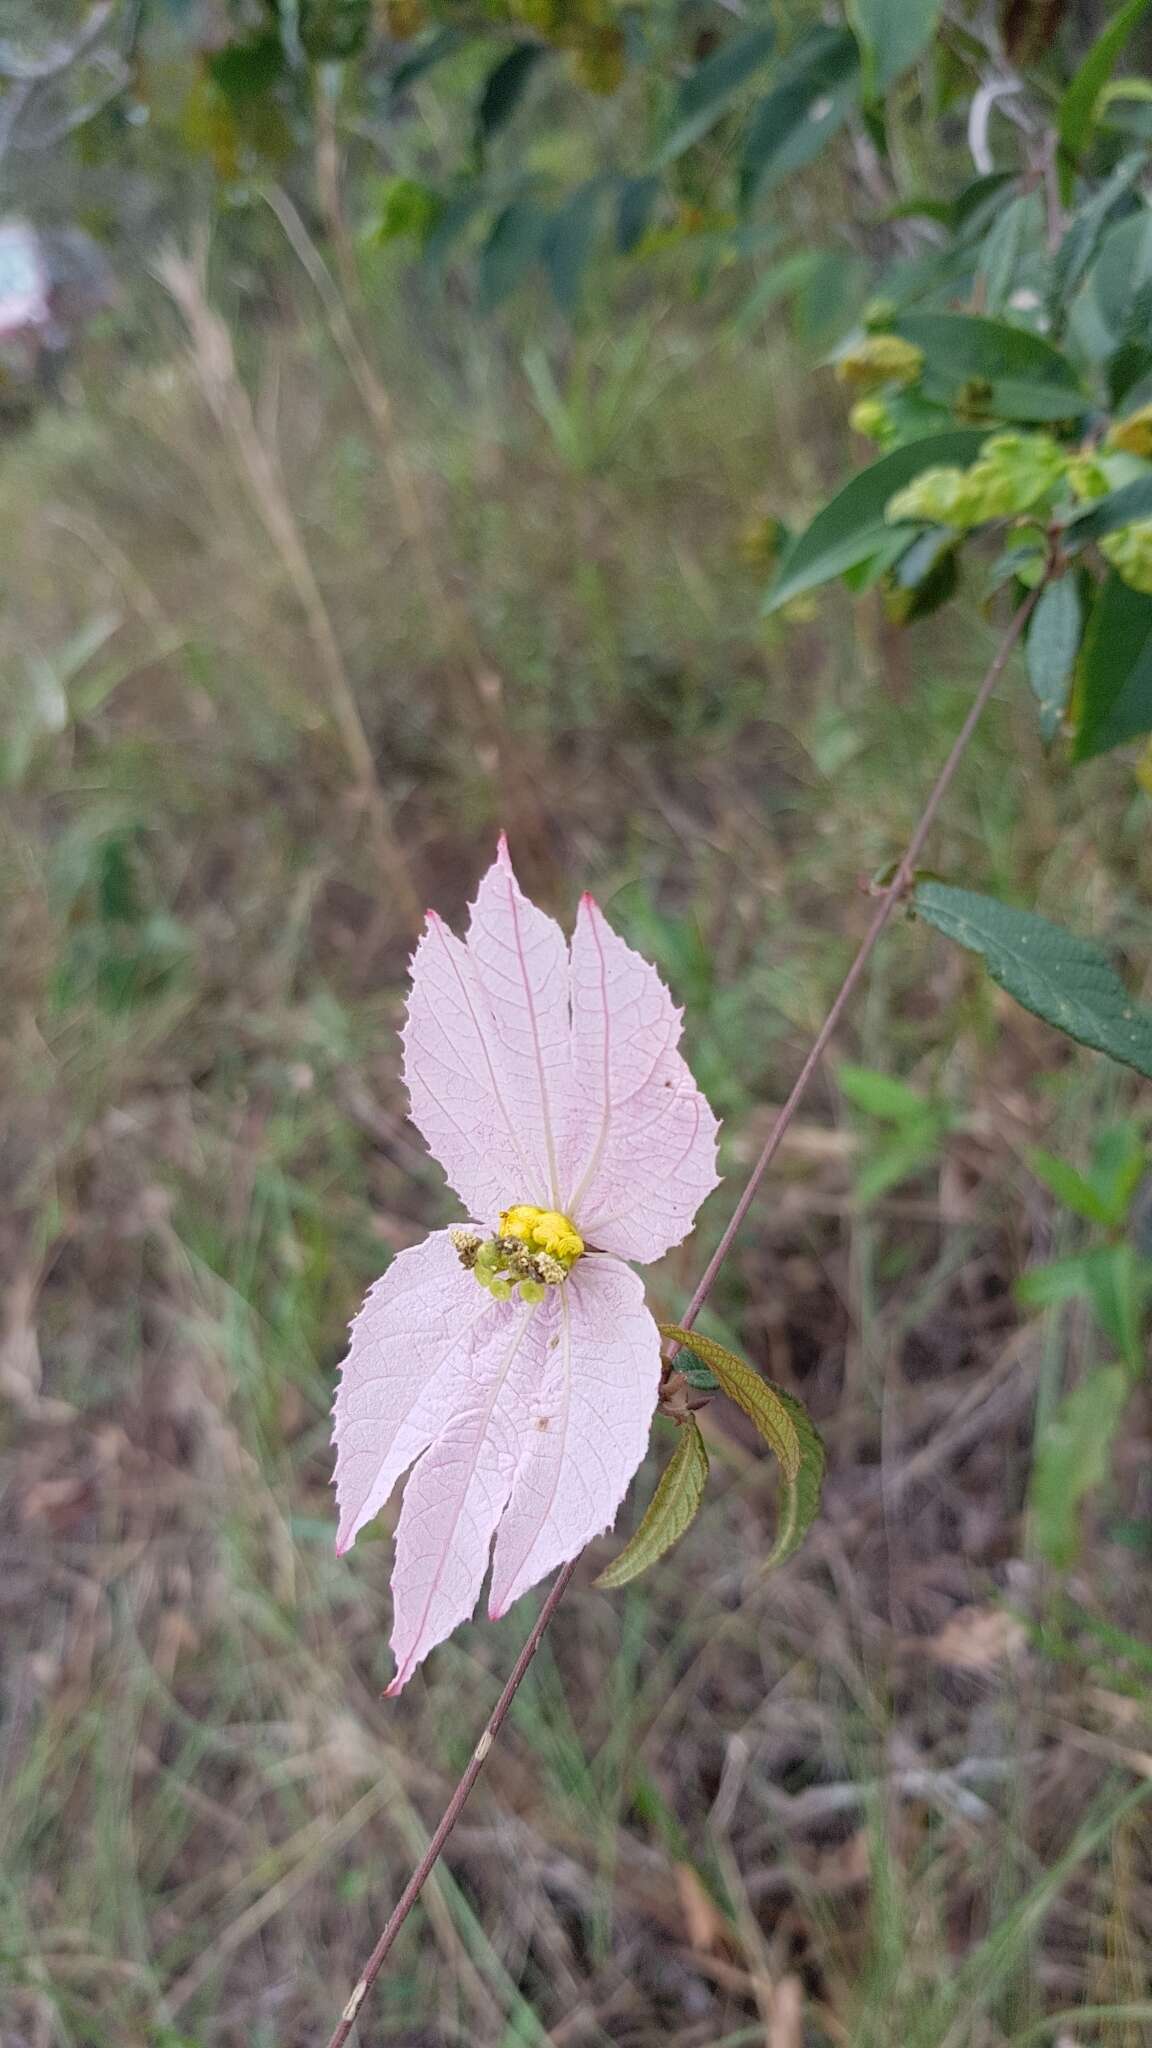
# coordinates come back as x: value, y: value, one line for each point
x: 514, y: 1364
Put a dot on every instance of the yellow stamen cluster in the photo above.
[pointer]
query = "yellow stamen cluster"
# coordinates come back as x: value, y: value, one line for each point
x: 543, y: 1230
x: 534, y: 1249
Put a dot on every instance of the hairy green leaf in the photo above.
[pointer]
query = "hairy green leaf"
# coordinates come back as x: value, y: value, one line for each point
x: 784, y: 1424
x: 1115, y: 679
x: 673, y: 1506
x: 1067, y: 981
x: 852, y: 527
x: 1051, y: 649
x: 713, y: 85
x: 1073, y: 1458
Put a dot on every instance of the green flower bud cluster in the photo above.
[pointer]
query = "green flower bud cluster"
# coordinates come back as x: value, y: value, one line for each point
x: 1013, y: 474
x: 879, y: 359
x: 504, y: 1266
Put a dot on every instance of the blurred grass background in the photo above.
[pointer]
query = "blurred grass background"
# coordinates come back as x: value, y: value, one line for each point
x: 897, y: 1794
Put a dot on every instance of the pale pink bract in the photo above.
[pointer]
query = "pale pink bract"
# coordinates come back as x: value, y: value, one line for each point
x: 549, y: 1076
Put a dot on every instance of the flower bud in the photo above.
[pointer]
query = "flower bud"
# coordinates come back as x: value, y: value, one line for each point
x: 880, y: 359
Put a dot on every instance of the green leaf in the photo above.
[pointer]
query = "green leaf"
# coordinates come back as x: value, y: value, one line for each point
x: 636, y: 202
x: 245, y: 71
x: 1118, y: 1161
x: 435, y: 49
x: 1051, y: 649
x: 818, y: 86
x: 880, y: 1095
x: 511, y: 250
x: 784, y: 1424
x: 1122, y: 269
x: 1115, y: 680
x: 1017, y: 228
x: 1115, y: 1278
x: 713, y: 85
x: 1080, y: 245
x: 505, y: 87
x: 907, y: 1153
x: 567, y: 244
x: 1106, y: 515
x: 1077, y: 109
x: 852, y: 528
x: 1028, y: 378
x: 672, y: 1508
x: 1067, y: 981
x: 894, y: 33
x: 1073, y: 1458
x: 1068, y: 1186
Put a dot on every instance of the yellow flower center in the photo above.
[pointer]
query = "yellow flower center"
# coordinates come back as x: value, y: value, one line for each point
x: 543, y: 1230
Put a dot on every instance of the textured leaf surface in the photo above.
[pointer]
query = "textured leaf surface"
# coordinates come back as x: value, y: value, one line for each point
x: 1065, y: 980
x: 784, y: 1424
x: 671, y: 1510
x: 852, y: 527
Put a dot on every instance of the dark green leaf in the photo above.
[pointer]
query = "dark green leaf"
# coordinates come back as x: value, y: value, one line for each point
x: 852, y: 527
x: 1105, y: 515
x: 1052, y: 646
x: 713, y: 85
x: 1078, y: 106
x: 245, y: 71
x: 505, y: 87
x: 894, y: 33
x: 511, y: 250
x: 1123, y: 270
x: 961, y: 346
x: 785, y: 1426
x: 1073, y: 1458
x: 672, y: 1508
x: 1067, y: 981
x: 567, y: 244
x: 636, y: 203
x: 1081, y: 243
x: 817, y: 89
x: 1118, y: 1163
x: 1114, y: 690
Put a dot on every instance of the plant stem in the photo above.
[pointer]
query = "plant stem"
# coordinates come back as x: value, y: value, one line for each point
x: 452, y: 1811
x: 894, y: 891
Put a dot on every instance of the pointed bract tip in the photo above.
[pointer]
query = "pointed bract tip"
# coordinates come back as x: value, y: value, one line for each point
x: 390, y: 1691
x: 502, y: 853
x: 497, y: 1613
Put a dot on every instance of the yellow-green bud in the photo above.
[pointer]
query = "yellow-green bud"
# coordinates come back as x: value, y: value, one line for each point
x: 870, y: 416
x: 532, y: 1290
x: 1130, y: 553
x: 1134, y: 434
x: 880, y: 359
x: 1013, y: 474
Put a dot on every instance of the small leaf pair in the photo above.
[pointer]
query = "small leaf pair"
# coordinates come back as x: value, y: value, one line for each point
x: 784, y: 1424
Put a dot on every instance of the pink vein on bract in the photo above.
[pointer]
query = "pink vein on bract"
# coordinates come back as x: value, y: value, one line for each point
x: 549, y: 1075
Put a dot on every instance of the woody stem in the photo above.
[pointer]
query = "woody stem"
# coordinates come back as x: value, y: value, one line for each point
x: 894, y: 891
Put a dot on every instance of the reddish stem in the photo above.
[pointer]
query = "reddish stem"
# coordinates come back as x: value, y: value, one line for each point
x: 894, y: 891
